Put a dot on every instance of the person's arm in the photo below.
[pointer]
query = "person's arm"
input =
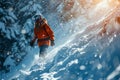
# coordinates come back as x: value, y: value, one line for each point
x: 34, y: 39
x: 35, y: 36
x: 50, y: 33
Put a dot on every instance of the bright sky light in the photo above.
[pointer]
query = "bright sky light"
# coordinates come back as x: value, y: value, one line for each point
x: 103, y: 4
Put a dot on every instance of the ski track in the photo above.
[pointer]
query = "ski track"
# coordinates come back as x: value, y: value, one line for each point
x: 114, y: 73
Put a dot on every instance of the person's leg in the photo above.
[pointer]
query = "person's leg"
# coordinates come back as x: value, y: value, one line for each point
x: 43, y: 50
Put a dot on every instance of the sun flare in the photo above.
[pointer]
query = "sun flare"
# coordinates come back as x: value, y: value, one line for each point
x: 103, y: 4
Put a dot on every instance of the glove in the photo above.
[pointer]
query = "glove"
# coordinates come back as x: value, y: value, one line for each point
x: 31, y: 43
x: 52, y: 43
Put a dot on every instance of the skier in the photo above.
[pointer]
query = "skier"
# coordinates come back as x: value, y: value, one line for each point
x: 44, y: 35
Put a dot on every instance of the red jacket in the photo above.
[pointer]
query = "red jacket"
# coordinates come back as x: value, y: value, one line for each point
x: 43, y: 33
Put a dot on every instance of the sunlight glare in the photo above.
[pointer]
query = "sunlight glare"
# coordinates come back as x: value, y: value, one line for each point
x: 103, y: 4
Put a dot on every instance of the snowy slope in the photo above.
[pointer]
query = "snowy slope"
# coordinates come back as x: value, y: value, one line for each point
x: 83, y: 54
x: 86, y: 56
x: 83, y: 59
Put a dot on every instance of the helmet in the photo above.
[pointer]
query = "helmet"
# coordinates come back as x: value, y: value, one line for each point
x: 36, y: 17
